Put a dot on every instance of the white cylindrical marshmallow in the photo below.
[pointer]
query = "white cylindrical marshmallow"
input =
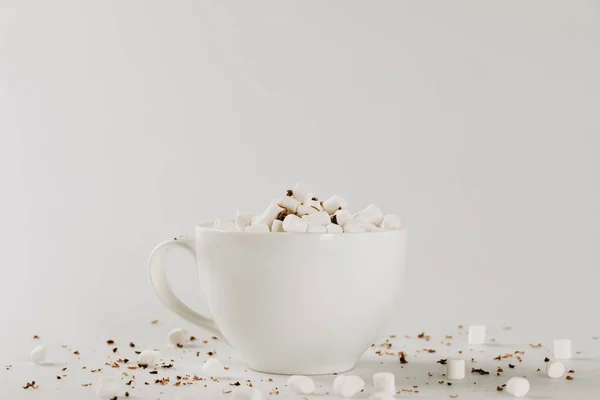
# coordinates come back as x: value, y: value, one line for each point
x: 321, y: 218
x: 562, y: 349
x: 177, y: 337
x: 149, y: 358
x: 391, y: 223
x: 348, y: 385
x: 333, y: 228
x: 301, y: 384
x: 517, y: 386
x: 269, y: 215
x: 476, y: 334
x: 301, y: 193
x: 277, y: 226
x: 304, y: 209
x: 293, y: 223
x: 382, y: 396
x: 371, y: 214
x: 243, y: 220
x: 108, y: 387
x: 38, y: 355
x: 384, y: 382
x: 316, y: 228
x: 555, y: 369
x: 341, y: 217
x: 334, y: 203
x: 247, y: 393
x: 289, y: 202
x: 225, y: 225
x: 213, y: 367
x: 353, y: 228
x: 455, y: 368
x: 315, y: 204
x: 258, y: 228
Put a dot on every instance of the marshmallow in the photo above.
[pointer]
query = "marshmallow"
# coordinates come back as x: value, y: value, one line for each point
x: 368, y: 227
x: 254, y: 219
x: 333, y: 228
x: 277, y: 226
x: 301, y: 384
x: 289, y: 202
x: 334, y: 203
x: 371, y: 214
x: 301, y: 193
x: 384, y: 382
x: 476, y: 334
x: 213, y: 367
x: 177, y: 337
x: 315, y: 203
x: 321, y: 218
x: 562, y: 349
x: 225, y: 225
x: 517, y: 386
x: 391, y: 223
x: 382, y: 396
x: 243, y: 220
x: 293, y: 223
x: 247, y: 393
x: 304, y: 209
x: 555, y: 369
x: 348, y: 385
x: 38, y: 355
x: 316, y: 228
x: 374, y: 228
x: 149, y: 358
x: 341, y: 217
x: 455, y: 368
x: 108, y: 386
x: 269, y: 215
x: 258, y: 228
x: 353, y: 228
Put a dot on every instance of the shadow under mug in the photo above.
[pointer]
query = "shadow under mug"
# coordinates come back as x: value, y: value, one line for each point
x: 291, y: 303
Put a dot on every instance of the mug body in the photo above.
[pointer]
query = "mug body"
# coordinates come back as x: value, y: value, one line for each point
x: 301, y: 303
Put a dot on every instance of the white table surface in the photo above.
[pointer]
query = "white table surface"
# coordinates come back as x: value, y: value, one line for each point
x: 94, y: 353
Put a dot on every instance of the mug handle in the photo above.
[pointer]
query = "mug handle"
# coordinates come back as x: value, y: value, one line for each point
x: 160, y: 284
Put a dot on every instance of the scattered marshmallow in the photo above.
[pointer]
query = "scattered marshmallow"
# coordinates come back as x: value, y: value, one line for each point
x: 555, y: 369
x: 334, y: 203
x: 247, y: 393
x: 108, y: 386
x: 348, y: 385
x: 301, y: 193
x: 149, y: 358
x: 225, y: 225
x: 384, y: 382
x: 315, y: 203
x: 304, y: 209
x: 321, y: 218
x: 477, y: 334
x: 353, y: 228
x: 334, y: 228
x: 517, y: 386
x: 258, y: 228
x: 177, y: 337
x: 371, y: 214
x: 213, y: 367
x: 455, y: 368
x: 562, y: 349
x: 277, y: 226
x: 243, y: 220
x: 301, y: 384
x: 316, y: 228
x: 269, y: 215
x: 342, y: 217
x: 289, y: 202
x: 382, y: 396
x: 38, y: 355
x: 391, y: 223
x: 293, y: 223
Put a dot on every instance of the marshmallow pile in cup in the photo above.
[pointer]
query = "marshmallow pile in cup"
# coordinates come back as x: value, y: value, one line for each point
x: 299, y: 211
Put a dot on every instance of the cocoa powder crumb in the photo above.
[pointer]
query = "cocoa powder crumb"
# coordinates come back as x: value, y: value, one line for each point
x: 442, y: 361
x: 569, y: 378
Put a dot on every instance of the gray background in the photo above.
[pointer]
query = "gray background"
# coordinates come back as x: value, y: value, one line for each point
x: 125, y: 123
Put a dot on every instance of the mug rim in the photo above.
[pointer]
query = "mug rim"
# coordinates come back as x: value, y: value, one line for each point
x: 208, y: 226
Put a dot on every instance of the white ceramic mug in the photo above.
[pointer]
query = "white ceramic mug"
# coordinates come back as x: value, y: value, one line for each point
x: 292, y: 303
